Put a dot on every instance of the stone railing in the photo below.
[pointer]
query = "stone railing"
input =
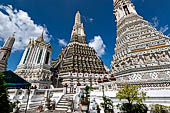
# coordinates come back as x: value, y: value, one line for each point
x: 36, y: 97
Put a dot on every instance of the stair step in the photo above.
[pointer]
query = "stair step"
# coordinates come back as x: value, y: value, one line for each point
x: 61, y: 109
x: 62, y: 104
x: 63, y: 101
x: 69, y: 95
x: 65, y: 97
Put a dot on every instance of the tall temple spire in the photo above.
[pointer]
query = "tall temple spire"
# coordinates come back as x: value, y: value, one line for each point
x: 78, y: 33
x: 5, y: 52
x: 123, y: 8
x: 41, y: 38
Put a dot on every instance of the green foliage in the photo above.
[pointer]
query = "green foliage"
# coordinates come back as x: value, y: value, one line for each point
x: 140, y: 108
x: 4, y: 102
x: 134, y: 108
x: 14, y: 105
x: 107, y: 104
x: 160, y: 109
x: 84, y: 100
x: 132, y: 94
x: 87, y: 90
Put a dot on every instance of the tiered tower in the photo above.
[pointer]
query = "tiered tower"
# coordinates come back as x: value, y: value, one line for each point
x: 5, y: 52
x: 35, y: 63
x: 78, y: 62
x: 142, y: 53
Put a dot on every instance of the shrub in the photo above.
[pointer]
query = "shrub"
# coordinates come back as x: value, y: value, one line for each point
x: 4, y: 102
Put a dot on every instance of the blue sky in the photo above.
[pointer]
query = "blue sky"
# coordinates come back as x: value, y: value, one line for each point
x: 58, y: 18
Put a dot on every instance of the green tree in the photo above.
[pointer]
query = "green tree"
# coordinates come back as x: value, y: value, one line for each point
x: 159, y: 109
x: 4, y: 102
x: 134, y: 99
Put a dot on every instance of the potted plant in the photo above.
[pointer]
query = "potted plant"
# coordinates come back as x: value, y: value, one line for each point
x: 15, y: 106
x: 40, y: 108
x: 107, y: 105
x: 85, y: 98
x: 84, y: 105
x: 47, y: 103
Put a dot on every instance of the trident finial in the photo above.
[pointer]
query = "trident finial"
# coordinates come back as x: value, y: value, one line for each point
x: 13, y: 35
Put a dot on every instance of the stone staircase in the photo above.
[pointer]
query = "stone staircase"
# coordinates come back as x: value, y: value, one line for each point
x: 63, y: 103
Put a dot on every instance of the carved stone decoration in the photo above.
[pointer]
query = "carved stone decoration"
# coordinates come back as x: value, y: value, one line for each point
x: 140, y: 48
x: 168, y: 74
x: 162, y: 74
x: 154, y: 75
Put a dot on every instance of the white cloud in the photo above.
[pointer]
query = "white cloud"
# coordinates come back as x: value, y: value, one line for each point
x: 169, y: 34
x: 87, y: 19
x: 164, y: 29
x: 91, y: 19
x: 62, y: 42
x: 155, y: 22
x: 18, y: 21
x: 98, y: 45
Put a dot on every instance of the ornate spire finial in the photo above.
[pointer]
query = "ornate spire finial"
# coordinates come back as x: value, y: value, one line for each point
x: 30, y: 41
x: 78, y: 18
x: 42, y: 34
x: 41, y: 39
x: 13, y: 35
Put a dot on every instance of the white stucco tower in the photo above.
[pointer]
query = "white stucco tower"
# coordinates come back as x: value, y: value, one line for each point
x: 5, y: 52
x: 141, y: 52
x: 35, y: 63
